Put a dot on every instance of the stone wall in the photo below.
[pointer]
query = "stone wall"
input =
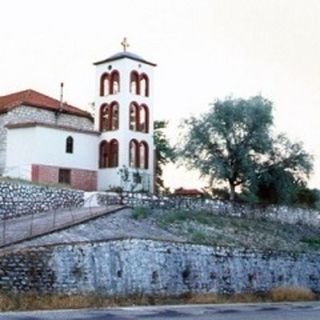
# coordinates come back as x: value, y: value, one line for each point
x: 21, y: 199
x: 282, y: 214
x: 26, y: 113
x: 153, y: 267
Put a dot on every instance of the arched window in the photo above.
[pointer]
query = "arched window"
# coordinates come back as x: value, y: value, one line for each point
x: 114, y: 153
x: 109, y: 117
x: 104, y: 85
x: 144, y: 155
x: 144, y: 85
x: 114, y: 82
x: 115, y: 116
x: 134, y: 116
x: 134, y: 154
x: 69, y: 145
x: 105, y: 118
x: 103, y: 154
x: 144, y: 119
x: 134, y: 82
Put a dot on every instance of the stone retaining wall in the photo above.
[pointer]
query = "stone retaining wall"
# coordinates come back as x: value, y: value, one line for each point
x: 18, y: 199
x: 282, y: 214
x: 153, y: 267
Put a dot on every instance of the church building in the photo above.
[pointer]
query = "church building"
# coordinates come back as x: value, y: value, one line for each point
x: 45, y: 140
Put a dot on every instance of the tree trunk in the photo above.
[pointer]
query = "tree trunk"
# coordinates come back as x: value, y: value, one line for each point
x: 232, y: 191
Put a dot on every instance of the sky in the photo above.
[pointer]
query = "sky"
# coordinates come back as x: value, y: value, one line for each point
x: 205, y: 49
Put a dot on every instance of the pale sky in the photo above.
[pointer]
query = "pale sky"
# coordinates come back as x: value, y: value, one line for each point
x: 205, y: 49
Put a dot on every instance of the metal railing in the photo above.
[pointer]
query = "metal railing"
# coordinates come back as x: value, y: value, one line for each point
x: 15, y: 228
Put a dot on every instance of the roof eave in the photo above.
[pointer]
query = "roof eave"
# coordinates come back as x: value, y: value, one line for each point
x: 124, y: 57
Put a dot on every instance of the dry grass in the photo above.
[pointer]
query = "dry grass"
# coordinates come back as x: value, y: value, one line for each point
x: 291, y: 294
x: 37, y: 301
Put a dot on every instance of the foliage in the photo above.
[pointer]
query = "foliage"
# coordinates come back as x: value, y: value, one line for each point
x: 164, y: 152
x: 282, y: 176
x: 139, y: 213
x: 232, y: 143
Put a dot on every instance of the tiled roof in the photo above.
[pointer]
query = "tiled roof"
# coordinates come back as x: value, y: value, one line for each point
x: 38, y: 100
x: 187, y: 192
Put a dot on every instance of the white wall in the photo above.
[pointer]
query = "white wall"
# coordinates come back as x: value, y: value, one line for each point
x: 123, y: 134
x: 46, y: 146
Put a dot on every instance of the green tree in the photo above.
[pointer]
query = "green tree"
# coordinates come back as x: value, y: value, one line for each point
x: 164, y: 152
x: 233, y: 143
x: 282, y: 176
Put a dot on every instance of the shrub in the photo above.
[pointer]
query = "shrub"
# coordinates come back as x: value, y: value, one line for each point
x: 139, y: 213
x: 198, y: 237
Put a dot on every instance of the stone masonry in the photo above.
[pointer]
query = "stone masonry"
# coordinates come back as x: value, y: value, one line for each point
x: 131, y: 266
x: 21, y: 199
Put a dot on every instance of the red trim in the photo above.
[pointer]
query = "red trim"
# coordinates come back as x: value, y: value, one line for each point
x: 104, y: 77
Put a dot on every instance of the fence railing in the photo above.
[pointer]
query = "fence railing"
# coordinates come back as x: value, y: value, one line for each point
x: 16, y: 228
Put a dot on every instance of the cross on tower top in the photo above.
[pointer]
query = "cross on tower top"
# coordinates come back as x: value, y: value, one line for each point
x: 125, y: 44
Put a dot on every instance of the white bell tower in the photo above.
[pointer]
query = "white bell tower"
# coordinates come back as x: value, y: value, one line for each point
x: 124, y: 117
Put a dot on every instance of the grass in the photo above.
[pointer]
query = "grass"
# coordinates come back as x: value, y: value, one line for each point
x: 36, y: 301
x: 291, y: 294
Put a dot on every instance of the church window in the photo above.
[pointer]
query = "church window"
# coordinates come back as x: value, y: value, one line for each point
x: 65, y: 176
x: 115, y: 116
x: 144, y: 119
x: 69, y: 145
x: 144, y: 155
x: 105, y: 116
x: 134, y: 154
x: 134, y: 116
x: 104, y: 84
x: 114, y: 82
x: 114, y: 153
x: 134, y: 82
x: 103, y: 154
x: 144, y: 85
x: 109, y: 117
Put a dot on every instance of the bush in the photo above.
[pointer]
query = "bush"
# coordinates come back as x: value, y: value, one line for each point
x: 139, y: 213
x: 198, y: 237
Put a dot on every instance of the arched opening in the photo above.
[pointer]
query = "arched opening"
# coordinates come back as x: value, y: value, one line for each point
x: 114, y: 116
x: 104, y: 85
x: 105, y: 117
x: 114, y: 153
x: 134, y: 82
x: 144, y: 155
x: 144, y: 119
x: 114, y: 82
x: 134, y: 154
x: 134, y: 116
x: 69, y: 145
x: 103, y: 154
x: 144, y: 85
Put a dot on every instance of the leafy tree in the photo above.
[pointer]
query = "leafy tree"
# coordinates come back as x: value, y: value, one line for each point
x: 283, y: 174
x: 164, y: 152
x: 233, y: 143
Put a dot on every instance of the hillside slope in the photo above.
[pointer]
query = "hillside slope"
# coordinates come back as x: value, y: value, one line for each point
x: 195, y: 227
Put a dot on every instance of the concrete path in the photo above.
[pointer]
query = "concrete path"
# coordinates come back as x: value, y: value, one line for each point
x: 27, y: 227
x: 270, y: 311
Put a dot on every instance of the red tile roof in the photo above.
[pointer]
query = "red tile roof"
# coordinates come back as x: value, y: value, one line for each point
x: 187, y: 192
x: 38, y: 100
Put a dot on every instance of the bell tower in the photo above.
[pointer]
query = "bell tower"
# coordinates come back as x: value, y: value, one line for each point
x: 124, y: 118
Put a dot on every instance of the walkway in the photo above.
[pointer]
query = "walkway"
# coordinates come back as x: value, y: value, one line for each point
x: 27, y: 227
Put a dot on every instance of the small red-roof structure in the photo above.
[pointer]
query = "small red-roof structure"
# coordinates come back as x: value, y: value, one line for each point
x: 38, y: 100
x: 187, y: 192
